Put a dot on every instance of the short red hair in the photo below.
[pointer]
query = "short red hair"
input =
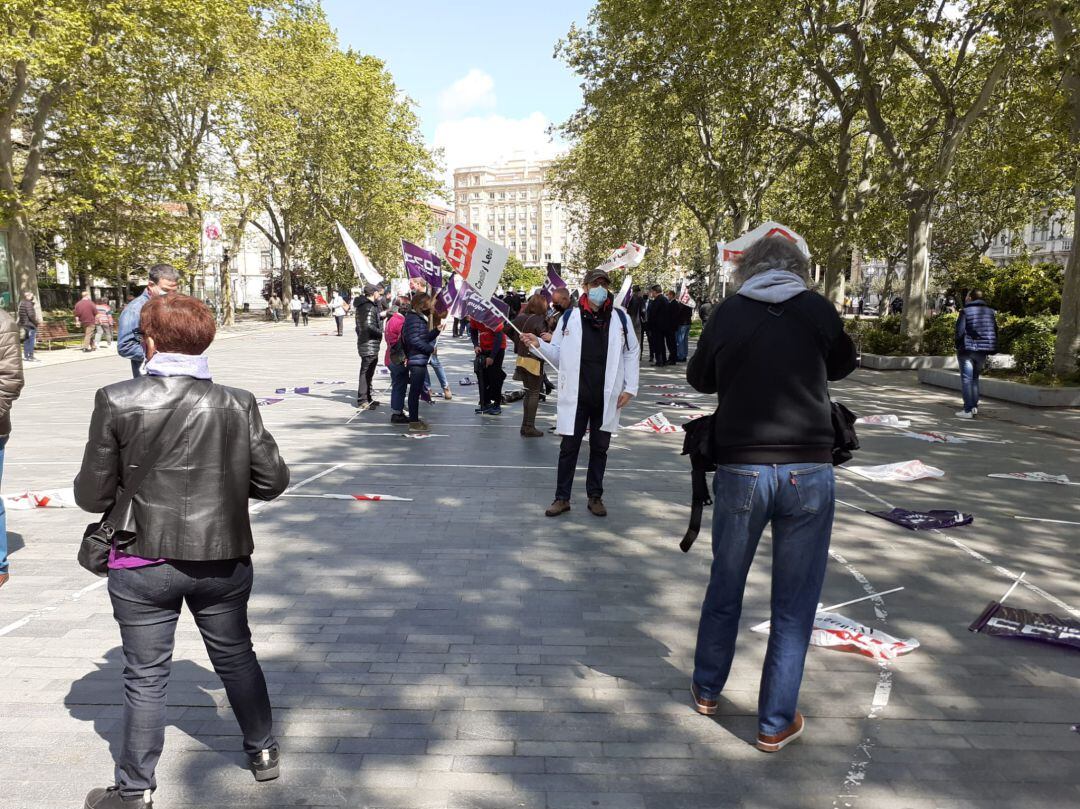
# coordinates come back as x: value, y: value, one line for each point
x: 178, y: 323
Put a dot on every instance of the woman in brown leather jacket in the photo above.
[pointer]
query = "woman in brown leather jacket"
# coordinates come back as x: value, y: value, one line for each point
x: 529, y: 369
x: 193, y: 539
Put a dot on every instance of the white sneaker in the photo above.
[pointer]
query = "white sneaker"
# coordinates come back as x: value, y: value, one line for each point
x: 975, y: 411
x: 965, y: 414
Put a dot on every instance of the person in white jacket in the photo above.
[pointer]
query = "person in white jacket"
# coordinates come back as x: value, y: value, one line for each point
x: 596, y: 351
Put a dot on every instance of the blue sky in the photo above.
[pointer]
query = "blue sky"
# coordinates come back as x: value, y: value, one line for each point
x: 484, y: 78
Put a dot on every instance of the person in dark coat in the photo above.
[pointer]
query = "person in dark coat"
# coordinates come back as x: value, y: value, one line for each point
x: 768, y: 353
x: 976, y: 339
x: 192, y: 539
x: 419, y: 345
x: 656, y: 324
x: 635, y: 307
x: 490, y: 347
x: 369, y: 334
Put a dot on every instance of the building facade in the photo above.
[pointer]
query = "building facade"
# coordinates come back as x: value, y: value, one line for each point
x: 1046, y: 239
x: 511, y: 204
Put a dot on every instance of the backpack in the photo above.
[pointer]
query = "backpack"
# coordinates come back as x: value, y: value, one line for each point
x: 622, y: 318
x: 398, y: 351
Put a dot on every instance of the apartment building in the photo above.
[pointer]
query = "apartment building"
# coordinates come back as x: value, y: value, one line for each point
x: 1047, y: 238
x: 510, y: 203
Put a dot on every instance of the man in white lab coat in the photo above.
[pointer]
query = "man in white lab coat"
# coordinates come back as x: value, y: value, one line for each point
x: 596, y: 351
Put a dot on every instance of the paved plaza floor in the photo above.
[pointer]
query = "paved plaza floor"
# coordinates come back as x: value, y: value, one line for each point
x: 462, y: 651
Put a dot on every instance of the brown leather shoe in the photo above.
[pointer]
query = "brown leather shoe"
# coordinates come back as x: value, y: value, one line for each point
x: 705, y: 707
x: 531, y: 432
x: 596, y: 506
x: 557, y: 508
x: 777, y: 742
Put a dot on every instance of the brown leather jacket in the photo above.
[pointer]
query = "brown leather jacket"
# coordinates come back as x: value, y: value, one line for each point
x: 11, y: 370
x: 194, y: 505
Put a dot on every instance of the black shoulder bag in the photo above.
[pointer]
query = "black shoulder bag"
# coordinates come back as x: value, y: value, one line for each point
x: 100, y: 537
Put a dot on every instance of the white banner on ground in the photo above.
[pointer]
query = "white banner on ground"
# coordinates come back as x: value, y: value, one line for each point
x: 1035, y: 477
x: 478, y: 260
x: 46, y: 498
x: 904, y: 471
x: 736, y: 247
x: 884, y: 421
x: 365, y: 270
x: 629, y: 256
x: 835, y: 631
x: 657, y: 423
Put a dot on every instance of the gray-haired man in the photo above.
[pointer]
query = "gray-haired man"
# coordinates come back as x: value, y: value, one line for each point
x: 163, y: 279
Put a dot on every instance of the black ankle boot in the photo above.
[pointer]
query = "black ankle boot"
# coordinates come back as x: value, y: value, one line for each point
x: 110, y: 798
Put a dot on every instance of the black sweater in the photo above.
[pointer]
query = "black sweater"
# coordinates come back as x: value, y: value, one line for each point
x: 770, y: 373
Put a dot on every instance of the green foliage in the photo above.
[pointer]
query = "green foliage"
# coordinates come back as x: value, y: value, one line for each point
x: 939, y: 339
x: 1013, y: 330
x: 1028, y: 289
x: 885, y: 337
x: 1034, y: 348
x: 518, y: 276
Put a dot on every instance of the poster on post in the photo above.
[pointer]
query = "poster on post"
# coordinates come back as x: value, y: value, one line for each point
x: 477, y: 260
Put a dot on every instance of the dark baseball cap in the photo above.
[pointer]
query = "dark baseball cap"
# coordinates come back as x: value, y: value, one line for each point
x: 371, y: 289
x: 592, y: 276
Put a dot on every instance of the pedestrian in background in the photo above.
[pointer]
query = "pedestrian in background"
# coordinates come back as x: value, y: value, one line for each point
x: 769, y: 352
x: 528, y: 370
x: 29, y: 321
x: 103, y: 322
x: 276, y: 307
x: 11, y: 384
x: 163, y: 279
x: 396, y: 360
x: 635, y: 307
x: 489, y: 345
x: 192, y: 536
x: 419, y: 343
x: 305, y: 310
x: 295, y: 308
x: 86, y: 315
x: 671, y: 328
x: 656, y: 324
x: 369, y: 334
x: 683, y: 315
x: 338, y: 308
x: 596, y: 351
x: 976, y: 339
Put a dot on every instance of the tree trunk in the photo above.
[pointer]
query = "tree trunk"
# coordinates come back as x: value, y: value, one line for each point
x: 915, y: 286
x: 835, y: 263
x: 228, y: 312
x: 887, y: 286
x: 286, y: 273
x: 1067, y: 345
x: 23, y: 262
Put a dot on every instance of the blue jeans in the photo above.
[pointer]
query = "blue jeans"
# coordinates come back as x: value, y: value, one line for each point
x: 3, y: 514
x: 28, y: 343
x: 439, y: 373
x: 971, y: 365
x: 682, y: 343
x: 399, y: 384
x: 798, y: 500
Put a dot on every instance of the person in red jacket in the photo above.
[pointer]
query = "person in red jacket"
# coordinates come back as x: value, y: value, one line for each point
x: 86, y: 314
x: 490, y: 347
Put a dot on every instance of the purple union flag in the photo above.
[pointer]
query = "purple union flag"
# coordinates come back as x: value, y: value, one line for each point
x: 554, y: 281
x: 420, y: 263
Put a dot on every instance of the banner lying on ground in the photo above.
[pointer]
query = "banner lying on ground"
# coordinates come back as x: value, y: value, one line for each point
x: 372, y: 497
x: 903, y: 471
x: 423, y: 264
x: 657, y: 423
x: 835, y: 631
x: 46, y: 498
x: 1035, y: 477
x: 924, y: 520
x: 629, y: 256
x: 553, y: 281
x: 470, y: 303
x: 883, y: 421
x: 478, y: 260
x: 1006, y: 622
x: 365, y: 270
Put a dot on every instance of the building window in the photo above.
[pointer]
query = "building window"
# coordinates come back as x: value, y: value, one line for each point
x: 547, y: 256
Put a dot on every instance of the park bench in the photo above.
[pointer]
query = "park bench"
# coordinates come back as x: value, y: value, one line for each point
x: 49, y: 333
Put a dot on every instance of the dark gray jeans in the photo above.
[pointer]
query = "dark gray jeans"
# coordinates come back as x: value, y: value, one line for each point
x: 146, y: 603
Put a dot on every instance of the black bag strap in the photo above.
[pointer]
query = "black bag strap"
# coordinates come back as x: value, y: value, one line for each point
x: 164, y: 438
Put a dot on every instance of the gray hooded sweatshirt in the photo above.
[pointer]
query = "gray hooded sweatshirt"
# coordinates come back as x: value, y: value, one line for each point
x: 773, y: 286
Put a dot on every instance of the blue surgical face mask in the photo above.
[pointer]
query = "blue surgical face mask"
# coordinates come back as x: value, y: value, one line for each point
x: 597, y: 296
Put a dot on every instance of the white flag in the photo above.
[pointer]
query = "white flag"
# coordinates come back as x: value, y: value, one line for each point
x: 365, y: 270
x: 478, y: 260
x: 629, y: 256
x: 735, y: 248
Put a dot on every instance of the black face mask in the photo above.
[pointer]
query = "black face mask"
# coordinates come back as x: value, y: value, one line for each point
x: 558, y: 307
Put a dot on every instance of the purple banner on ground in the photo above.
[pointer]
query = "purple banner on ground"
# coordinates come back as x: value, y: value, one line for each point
x: 421, y: 263
x: 554, y: 281
x: 1003, y: 621
x: 469, y: 303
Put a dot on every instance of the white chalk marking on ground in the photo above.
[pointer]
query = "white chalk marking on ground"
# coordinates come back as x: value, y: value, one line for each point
x: 255, y: 509
x: 97, y: 585
x: 864, y: 752
x: 974, y: 554
x: 1043, y: 519
x: 468, y: 466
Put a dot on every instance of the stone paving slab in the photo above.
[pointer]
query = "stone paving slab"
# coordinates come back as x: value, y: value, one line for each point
x: 463, y: 651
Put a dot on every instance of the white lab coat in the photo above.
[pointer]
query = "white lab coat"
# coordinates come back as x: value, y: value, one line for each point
x: 620, y: 374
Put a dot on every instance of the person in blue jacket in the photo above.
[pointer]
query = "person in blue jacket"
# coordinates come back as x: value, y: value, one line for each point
x: 419, y: 344
x: 163, y: 279
x: 976, y: 339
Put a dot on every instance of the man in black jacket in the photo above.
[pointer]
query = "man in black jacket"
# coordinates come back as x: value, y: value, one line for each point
x: 635, y: 307
x: 768, y: 354
x: 368, y: 337
x: 656, y: 325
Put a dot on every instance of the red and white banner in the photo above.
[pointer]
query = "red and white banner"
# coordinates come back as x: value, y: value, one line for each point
x: 478, y: 260
x: 835, y: 631
x: 889, y: 420
x: 904, y: 471
x: 1035, y: 477
x: 46, y: 498
x: 628, y: 256
x: 657, y: 423
x: 365, y: 497
x: 736, y: 247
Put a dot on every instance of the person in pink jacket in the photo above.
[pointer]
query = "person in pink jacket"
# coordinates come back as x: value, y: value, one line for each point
x: 395, y: 360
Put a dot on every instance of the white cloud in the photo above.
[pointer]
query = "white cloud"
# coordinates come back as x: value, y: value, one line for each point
x: 473, y: 91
